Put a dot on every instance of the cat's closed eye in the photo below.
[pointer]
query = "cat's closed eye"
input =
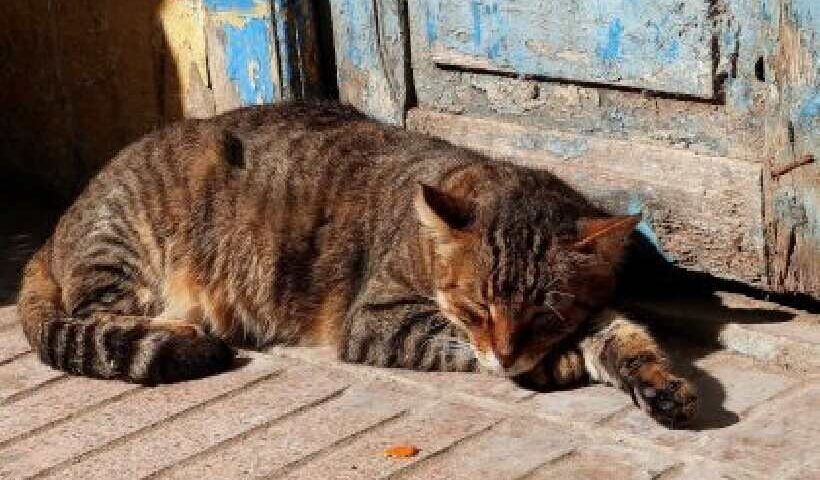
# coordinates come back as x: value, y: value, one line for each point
x: 545, y: 320
x: 475, y: 313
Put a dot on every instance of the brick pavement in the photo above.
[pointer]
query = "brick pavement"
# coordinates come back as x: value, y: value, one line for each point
x: 297, y: 413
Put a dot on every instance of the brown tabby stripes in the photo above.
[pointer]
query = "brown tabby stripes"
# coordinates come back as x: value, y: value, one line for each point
x: 309, y: 224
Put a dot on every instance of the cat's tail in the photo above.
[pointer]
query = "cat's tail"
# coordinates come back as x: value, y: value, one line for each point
x: 107, y: 345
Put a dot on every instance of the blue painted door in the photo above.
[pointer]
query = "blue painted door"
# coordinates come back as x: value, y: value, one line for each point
x: 662, y: 45
x: 675, y: 109
x: 260, y: 51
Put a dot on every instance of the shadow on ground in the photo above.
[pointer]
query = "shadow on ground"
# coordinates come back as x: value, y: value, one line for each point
x: 684, y: 312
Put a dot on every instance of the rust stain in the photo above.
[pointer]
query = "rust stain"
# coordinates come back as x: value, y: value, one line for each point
x: 780, y: 171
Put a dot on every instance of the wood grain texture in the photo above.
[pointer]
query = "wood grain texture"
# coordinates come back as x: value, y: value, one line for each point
x: 183, y: 23
x: 792, y: 195
x: 656, y: 45
x: 298, y: 49
x: 242, y: 54
x: 86, y: 78
x: 726, y: 124
x: 371, y: 56
x: 35, y: 133
x: 701, y: 212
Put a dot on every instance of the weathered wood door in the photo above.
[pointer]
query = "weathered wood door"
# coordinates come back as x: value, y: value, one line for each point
x: 679, y: 110
x: 83, y: 78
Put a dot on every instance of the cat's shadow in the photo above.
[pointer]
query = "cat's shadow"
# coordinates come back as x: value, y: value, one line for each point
x: 685, y: 312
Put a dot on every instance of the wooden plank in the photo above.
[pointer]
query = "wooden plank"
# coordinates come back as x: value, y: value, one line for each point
x: 371, y: 56
x: 36, y: 135
x: 111, y: 57
x: 242, y: 57
x: 727, y: 124
x: 78, y: 83
x: 298, y: 49
x: 662, y: 45
x: 183, y: 23
x: 791, y: 180
x: 700, y: 212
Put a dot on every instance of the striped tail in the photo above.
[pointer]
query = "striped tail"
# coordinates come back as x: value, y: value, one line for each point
x: 107, y: 345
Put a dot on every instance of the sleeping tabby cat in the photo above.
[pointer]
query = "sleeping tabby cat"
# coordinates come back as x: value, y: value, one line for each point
x: 309, y: 224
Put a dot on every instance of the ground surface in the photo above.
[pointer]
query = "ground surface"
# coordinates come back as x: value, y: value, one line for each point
x: 296, y: 413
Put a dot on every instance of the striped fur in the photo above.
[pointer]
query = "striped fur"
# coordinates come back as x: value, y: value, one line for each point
x: 309, y: 224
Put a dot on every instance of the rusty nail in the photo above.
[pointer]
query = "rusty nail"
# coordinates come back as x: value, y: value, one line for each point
x: 807, y: 159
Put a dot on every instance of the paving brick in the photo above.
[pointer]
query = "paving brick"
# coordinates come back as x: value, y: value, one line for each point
x: 604, y: 462
x: 776, y: 438
x: 740, y: 382
x: 781, y: 350
x: 55, y: 402
x: 801, y: 332
x: 587, y: 404
x: 91, y: 428
x: 509, y: 449
x: 479, y: 385
x: 728, y: 386
x: 263, y: 452
x: 696, y: 470
x: 23, y: 375
x: 207, y: 426
x: 12, y: 344
x: 761, y: 420
x: 810, y: 471
x: 8, y: 316
x: 432, y: 427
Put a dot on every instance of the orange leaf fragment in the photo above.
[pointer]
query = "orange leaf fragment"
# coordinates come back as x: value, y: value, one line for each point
x: 401, y: 451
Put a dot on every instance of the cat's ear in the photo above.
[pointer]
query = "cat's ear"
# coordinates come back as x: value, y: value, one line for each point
x: 442, y: 212
x: 606, y: 236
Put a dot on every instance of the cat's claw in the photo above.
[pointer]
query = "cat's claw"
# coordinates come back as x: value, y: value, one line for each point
x: 672, y: 401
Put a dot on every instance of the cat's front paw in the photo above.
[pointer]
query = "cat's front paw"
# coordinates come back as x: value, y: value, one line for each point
x: 669, y: 399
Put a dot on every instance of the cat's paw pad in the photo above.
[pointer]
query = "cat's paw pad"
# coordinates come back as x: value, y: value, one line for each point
x: 670, y: 400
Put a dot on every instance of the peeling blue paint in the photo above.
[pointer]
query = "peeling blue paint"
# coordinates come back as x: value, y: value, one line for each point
x: 654, y: 44
x: 672, y: 52
x: 475, y: 10
x: 488, y: 29
x: 807, y: 13
x: 739, y: 93
x: 229, y: 5
x: 635, y: 207
x: 765, y: 11
x: 610, y: 49
x: 810, y: 108
x: 431, y: 21
x: 360, y: 47
x: 248, y: 56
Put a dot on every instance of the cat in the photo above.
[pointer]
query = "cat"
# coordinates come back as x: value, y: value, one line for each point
x: 308, y: 224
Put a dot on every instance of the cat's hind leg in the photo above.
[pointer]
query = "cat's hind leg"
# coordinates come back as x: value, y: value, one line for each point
x: 101, y: 322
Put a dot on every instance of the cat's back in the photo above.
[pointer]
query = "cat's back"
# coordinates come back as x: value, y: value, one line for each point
x: 298, y: 157
x: 296, y: 137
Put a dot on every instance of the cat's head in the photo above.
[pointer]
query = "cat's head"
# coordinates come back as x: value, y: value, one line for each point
x: 520, y: 273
